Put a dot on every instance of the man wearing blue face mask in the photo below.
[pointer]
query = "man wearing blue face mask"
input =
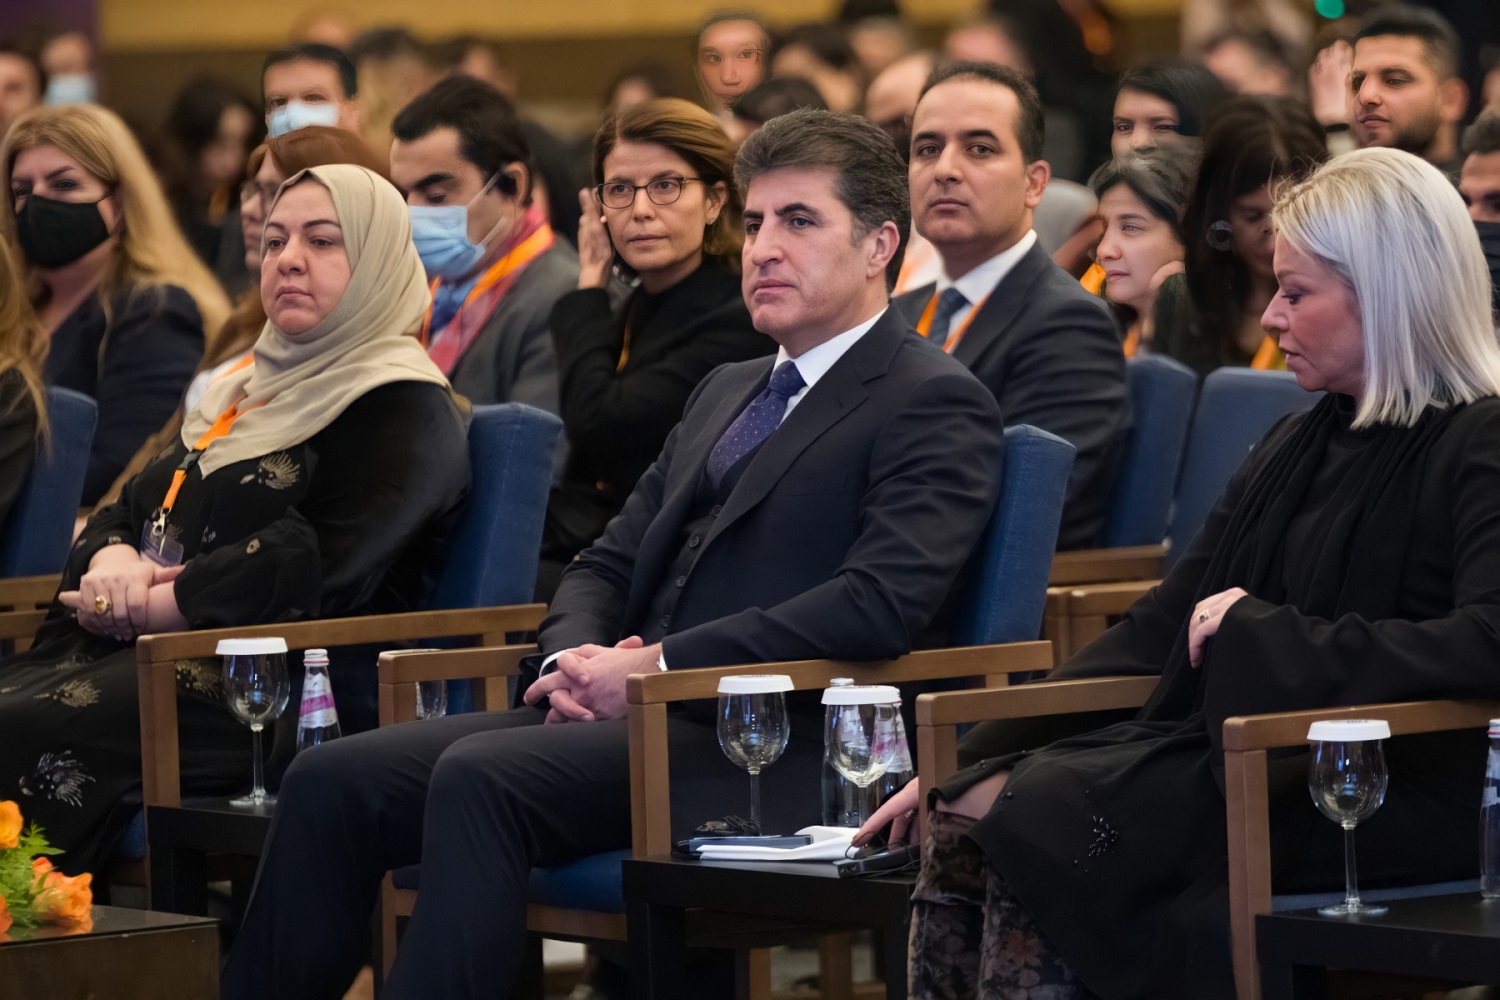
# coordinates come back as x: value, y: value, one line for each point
x: 462, y: 159
x: 1480, y: 186
x: 309, y: 84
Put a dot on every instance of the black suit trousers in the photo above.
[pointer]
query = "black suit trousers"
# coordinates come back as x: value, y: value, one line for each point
x: 479, y: 800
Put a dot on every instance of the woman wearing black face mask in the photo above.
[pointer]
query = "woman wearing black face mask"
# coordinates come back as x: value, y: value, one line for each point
x: 121, y: 298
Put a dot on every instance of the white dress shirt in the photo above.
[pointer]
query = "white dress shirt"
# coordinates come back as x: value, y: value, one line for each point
x: 984, y: 279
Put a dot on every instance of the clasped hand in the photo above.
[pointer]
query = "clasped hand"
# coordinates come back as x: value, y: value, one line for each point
x: 588, y: 683
x: 138, y: 595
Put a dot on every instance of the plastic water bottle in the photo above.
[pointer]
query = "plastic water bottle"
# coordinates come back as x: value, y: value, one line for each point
x: 901, y: 771
x: 1489, y: 820
x: 318, y: 721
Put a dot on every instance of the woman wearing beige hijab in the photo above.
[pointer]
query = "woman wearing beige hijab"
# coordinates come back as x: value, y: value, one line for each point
x: 323, y: 479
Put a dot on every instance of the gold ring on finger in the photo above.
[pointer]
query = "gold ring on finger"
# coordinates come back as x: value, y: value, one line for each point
x: 102, y: 604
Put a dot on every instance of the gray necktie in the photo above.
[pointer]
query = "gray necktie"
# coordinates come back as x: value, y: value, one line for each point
x: 950, y: 302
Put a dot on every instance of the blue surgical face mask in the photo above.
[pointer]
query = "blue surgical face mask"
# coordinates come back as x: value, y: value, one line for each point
x: 70, y: 88
x: 295, y: 114
x: 441, y: 235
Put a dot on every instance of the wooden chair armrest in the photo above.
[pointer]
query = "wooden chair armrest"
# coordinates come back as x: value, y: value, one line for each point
x: 1105, y: 598
x: 156, y: 657
x: 1247, y: 799
x: 1131, y: 562
x: 26, y: 592
x: 648, y: 696
x: 401, y: 669
x: 992, y: 662
x: 939, y: 715
x: 20, y: 624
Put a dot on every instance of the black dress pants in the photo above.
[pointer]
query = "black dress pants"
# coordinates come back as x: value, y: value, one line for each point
x: 479, y: 800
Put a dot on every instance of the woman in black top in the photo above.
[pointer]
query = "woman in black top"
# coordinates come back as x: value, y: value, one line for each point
x: 664, y: 210
x: 334, y: 492
x: 1354, y: 559
x: 124, y: 301
x: 22, y: 413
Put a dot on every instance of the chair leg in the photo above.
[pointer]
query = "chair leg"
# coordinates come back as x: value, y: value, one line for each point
x: 752, y: 973
x: 836, y: 967
x: 387, y: 927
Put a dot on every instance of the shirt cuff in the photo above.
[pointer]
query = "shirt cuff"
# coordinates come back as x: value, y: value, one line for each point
x: 549, y: 663
x: 661, y: 659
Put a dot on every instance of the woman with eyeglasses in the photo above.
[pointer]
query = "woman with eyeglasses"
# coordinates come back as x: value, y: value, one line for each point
x: 664, y: 215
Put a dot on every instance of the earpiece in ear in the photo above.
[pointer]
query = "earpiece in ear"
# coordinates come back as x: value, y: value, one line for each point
x: 1220, y: 236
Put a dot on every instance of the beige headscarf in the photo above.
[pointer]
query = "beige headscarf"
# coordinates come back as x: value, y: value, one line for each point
x: 363, y: 342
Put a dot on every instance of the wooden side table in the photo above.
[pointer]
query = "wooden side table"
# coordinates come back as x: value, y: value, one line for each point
x: 126, y: 955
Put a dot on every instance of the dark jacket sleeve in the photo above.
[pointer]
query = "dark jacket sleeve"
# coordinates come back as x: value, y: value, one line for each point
x: 921, y: 517
x: 391, y: 464
x: 153, y: 346
x: 18, y: 438
x: 602, y: 406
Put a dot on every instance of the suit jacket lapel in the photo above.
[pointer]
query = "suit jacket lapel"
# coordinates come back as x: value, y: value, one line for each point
x: 1001, y: 308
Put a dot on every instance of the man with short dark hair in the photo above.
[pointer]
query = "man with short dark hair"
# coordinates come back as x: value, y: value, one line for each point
x: 818, y: 505
x: 1048, y: 350
x: 461, y: 157
x: 309, y: 84
x: 1479, y: 185
x: 1407, y: 91
x: 22, y: 85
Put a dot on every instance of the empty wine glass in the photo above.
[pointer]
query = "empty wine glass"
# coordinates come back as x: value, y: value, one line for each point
x: 1347, y: 778
x: 753, y: 726
x: 256, y: 688
x: 860, y: 735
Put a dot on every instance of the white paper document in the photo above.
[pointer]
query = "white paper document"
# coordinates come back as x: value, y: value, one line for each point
x: 829, y: 843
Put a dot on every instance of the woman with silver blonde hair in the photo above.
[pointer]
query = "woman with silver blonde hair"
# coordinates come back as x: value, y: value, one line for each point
x: 1353, y: 559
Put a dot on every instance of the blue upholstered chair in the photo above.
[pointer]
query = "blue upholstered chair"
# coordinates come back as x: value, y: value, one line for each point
x: 482, y: 591
x: 1002, y: 604
x: 1161, y: 400
x: 39, y: 530
x: 1235, y: 410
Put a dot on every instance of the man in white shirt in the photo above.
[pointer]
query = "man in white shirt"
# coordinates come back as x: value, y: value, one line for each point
x: 821, y: 504
x: 1049, y: 351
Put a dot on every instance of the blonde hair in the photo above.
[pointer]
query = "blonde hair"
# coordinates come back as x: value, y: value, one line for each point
x: 1396, y: 233
x: 150, y: 252
x: 22, y: 346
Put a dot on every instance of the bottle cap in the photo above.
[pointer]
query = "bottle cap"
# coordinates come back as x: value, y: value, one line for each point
x: 862, y: 694
x: 314, y: 656
x: 1495, y: 727
x: 250, y: 647
x: 755, y: 684
x: 841, y: 682
x: 1349, y: 730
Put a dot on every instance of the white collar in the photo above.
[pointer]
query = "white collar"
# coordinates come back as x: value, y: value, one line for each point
x: 984, y: 279
x: 815, y: 361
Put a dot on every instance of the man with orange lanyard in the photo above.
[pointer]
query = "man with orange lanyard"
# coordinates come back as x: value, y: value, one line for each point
x: 496, y: 267
x: 1048, y: 350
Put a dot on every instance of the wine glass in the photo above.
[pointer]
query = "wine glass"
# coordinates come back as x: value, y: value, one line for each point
x: 860, y: 734
x: 1347, y: 778
x: 256, y: 688
x: 753, y: 726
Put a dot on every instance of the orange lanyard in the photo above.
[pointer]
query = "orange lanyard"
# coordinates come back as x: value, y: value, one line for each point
x: 219, y: 429
x: 524, y: 253
x: 924, y: 325
x: 1268, y: 357
x: 1132, y: 340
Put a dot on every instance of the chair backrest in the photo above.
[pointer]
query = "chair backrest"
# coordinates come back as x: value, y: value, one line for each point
x: 1007, y: 585
x: 1235, y: 409
x: 1161, y: 402
x: 39, y: 529
x: 494, y: 556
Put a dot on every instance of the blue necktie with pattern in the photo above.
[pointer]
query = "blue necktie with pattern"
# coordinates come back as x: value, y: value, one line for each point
x: 755, y: 422
x: 949, y: 303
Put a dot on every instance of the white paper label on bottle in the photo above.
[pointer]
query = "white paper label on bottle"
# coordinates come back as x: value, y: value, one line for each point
x: 318, y: 709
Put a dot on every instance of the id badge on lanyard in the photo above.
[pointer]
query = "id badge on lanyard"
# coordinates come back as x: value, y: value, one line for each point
x: 157, y: 543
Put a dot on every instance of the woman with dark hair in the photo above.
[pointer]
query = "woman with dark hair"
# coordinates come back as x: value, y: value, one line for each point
x: 1162, y: 102
x: 1142, y: 199
x: 663, y: 212
x: 210, y: 130
x: 1253, y: 144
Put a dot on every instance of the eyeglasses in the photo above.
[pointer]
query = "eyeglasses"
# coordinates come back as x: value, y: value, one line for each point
x: 265, y: 192
x: 621, y: 194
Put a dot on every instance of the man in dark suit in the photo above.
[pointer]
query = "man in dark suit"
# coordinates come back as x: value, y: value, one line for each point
x: 1048, y: 350
x: 461, y: 157
x: 820, y: 504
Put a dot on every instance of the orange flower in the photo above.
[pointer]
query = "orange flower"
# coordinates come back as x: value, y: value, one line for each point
x: 64, y: 899
x: 5, y: 917
x: 10, y: 825
x: 40, y: 866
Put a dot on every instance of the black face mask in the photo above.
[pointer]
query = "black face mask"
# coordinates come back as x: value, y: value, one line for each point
x: 56, y: 233
x: 1489, y: 238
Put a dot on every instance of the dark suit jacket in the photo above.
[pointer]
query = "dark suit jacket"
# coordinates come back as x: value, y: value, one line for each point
x: 1050, y: 352
x: 842, y: 537
x: 511, y: 360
